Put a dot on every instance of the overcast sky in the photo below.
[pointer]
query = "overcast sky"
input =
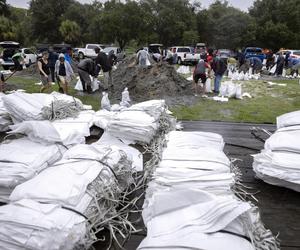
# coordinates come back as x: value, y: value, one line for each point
x: 242, y: 4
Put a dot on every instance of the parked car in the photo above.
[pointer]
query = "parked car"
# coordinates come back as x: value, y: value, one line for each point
x: 225, y: 53
x: 200, y: 48
x: 117, y: 51
x: 9, y: 49
x: 155, y: 48
x: 254, y: 52
x: 182, y: 52
x: 89, y: 50
x: 293, y: 53
x: 29, y: 56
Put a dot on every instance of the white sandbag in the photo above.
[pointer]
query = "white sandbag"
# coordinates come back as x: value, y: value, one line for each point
x: 273, y: 69
x: 103, y: 117
x: 183, y: 69
x: 46, y: 132
x: 223, y: 89
x: 289, y: 119
x: 94, y: 84
x: 21, y: 159
x: 235, y: 76
x: 241, y: 76
x: 125, y: 98
x: 32, y: 225
x: 231, y: 90
x: 284, y: 72
x: 208, y: 85
x: 105, y: 103
x: 239, y: 94
x: 133, y: 154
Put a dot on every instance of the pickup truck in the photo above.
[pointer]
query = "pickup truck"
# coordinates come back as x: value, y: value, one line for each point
x: 254, y: 52
x: 88, y: 51
x: 185, y: 54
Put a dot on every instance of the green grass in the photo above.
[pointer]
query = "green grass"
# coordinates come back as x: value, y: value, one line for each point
x: 267, y: 104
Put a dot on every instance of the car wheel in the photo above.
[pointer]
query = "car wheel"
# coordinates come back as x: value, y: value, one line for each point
x: 5, y: 67
x: 81, y: 56
x: 179, y: 61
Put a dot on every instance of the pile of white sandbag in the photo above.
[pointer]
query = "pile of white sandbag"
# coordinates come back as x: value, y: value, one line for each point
x: 231, y: 90
x: 278, y: 164
x: 5, y: 119
x: 83, y: 187
x: 22, y: 159
x: 189, y: 203
x: 241, y: 76
x: 183, y: 70
x: 27, y: 107
x: 138, y: 123
x: 28, y: 224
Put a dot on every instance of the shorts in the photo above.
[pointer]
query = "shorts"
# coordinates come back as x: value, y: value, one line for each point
x: 62, y: 79
x: 200, y: 76
x: 45, y: 80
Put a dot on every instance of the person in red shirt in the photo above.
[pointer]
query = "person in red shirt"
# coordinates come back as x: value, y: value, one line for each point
x: 200, y: 73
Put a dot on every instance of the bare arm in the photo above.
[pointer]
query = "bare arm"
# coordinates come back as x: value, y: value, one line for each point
x: 41, y: 69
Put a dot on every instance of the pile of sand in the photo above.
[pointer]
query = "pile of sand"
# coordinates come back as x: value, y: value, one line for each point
x: 159, y: 80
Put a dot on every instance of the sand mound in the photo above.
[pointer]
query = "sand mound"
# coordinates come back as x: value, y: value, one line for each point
x: 157, y: 81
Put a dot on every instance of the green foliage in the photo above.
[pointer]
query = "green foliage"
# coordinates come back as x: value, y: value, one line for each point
x: 190, y: 37
x: 269, y: 23
x: 46, y: 17
x: 4, y: 10
x: 7, y: 29
x: 70, y: 31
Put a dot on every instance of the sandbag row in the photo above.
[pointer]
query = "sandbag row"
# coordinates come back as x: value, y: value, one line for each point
x: 279, y: 161
x: 84, y: 186
x: 189, y: 203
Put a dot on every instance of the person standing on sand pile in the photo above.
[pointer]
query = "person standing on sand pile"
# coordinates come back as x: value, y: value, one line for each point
x: 219, y: 66
x: 143, y: 58
x: 43, y: 66
x: 106, y: 63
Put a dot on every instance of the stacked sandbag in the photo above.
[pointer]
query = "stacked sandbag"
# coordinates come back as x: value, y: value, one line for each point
x: 139, y: 123
x: 27, y: 224
x: 278, y: 164
x: 5, y: 119
x: 22, y: 159
x: 189, y: 203
x: 88, y: 181
x: 27, y: 107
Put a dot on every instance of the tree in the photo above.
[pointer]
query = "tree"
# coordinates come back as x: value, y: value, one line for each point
x: 47, y: 17
x: 223, y: 26
x: 4, y: 10
x: 7, y: 29
x: 190, y: 37
x: 121, y: 22
x: 70, y: 32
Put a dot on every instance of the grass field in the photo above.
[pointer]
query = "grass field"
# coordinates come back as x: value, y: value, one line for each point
x: 267, y: 103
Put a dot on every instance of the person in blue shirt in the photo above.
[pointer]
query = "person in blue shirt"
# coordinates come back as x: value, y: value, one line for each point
x: 256, y: 64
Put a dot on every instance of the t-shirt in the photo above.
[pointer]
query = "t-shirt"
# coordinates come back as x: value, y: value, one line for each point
x: 102, y: 59
x: 200, y: 68
x: 62, y: 69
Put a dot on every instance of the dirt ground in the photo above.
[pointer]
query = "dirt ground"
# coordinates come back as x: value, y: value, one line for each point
x: 159, y: 80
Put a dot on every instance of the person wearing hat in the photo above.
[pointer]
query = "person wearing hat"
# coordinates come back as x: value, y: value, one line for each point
x: 64, y: 72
